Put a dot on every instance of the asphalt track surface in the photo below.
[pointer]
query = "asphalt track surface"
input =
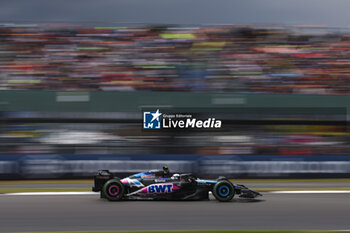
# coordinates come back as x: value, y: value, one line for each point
x: 88, y: 213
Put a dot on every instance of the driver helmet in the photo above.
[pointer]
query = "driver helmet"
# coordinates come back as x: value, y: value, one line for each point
x: 166, y: 171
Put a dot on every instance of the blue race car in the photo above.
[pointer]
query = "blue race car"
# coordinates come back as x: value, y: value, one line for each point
x: 161, y: 185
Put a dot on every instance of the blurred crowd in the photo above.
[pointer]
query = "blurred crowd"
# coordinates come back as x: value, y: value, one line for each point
x: 242, y: 59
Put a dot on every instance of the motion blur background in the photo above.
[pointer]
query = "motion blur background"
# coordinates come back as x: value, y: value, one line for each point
x: 74, y: 78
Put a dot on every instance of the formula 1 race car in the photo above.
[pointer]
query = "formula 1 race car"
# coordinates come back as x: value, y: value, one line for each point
x: 161, y: 185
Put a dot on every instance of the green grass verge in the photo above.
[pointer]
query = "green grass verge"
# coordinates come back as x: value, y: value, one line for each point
x: 202, y: 231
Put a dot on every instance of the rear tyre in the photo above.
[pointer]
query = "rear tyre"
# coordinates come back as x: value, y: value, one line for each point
x: 113, y: 190
x: 223, y: 191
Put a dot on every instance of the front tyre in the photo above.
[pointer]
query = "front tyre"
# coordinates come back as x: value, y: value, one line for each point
x: 223, y: 191
x: 113, y: 190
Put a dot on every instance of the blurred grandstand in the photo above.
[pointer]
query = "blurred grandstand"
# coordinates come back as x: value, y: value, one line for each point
x: 128, y: 138
x: 78, y: 90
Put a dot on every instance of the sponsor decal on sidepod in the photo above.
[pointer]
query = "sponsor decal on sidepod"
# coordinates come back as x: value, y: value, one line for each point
x: 160, y: 188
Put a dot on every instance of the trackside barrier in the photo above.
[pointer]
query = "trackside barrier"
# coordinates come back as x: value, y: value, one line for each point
x: 209, y: 166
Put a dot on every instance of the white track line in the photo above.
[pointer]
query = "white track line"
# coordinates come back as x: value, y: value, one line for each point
x: 308, y: 192
x: 47, y: 193
x: 94, y: 193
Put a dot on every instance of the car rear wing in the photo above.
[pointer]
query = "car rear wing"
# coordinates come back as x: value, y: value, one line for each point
x: 100, y: 179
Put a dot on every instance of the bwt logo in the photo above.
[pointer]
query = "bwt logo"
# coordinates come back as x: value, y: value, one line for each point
x: 151, y: 120
x: 160, y: 188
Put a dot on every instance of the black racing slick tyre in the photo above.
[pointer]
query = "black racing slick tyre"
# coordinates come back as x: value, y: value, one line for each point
x: 113, y: 190
x: 223, y: 190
